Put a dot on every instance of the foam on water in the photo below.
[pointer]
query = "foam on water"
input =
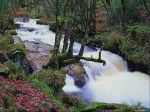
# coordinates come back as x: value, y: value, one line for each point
x: 112, y: 83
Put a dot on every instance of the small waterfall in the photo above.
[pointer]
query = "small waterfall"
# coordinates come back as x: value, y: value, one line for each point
x: 112, y: 83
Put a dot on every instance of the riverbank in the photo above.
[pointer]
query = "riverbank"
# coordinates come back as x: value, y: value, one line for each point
x: 51, y: 81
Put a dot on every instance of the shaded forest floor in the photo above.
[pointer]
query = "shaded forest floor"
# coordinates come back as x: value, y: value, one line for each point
x: 14, y: 95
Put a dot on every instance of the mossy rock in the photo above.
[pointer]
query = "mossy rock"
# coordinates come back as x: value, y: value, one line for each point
x: 12, y: 32
x: 77, y: 72
x: 20, y: 60
x: 17, y: 47
x: 55, y: 79
x: 15, y: 73
x: 77, y: 68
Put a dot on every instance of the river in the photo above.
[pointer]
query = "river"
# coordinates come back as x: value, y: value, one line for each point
x: 112, y: 83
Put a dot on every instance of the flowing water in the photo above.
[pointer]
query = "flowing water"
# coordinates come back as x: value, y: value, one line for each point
x: 112, y: 83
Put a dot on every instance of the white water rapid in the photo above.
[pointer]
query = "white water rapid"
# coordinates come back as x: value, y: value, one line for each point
x: 112, y: 83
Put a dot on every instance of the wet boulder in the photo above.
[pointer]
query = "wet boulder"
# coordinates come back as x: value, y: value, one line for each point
x: 21, y: 61
x: 77, y: 72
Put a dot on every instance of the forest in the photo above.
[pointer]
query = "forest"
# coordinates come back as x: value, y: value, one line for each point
x: 74, y: 55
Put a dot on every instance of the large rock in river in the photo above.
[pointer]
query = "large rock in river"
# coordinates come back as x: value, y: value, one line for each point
x: 77, y: 72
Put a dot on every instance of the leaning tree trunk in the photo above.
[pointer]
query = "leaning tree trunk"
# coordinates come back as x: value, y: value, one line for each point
x: 81, y: 50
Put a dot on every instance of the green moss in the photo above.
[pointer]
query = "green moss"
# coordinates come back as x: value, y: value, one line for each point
x: 52, y: 26
x: 53, y: 78
x: 5, y: 40
x: 98, y: 107
x: 4, y: 69
x: 51, y: 83
x: 15, y: 73
x: 130, y: 108
x: 43, y: 86
x: 131, y: 49
x: 18, y: 47
x: 21, y: 109
x: 52, y: 63
x: 62, y: 57
x: 12, y: 32
x: 34, y: 15
x: 139, y: 27
x: 8, y: 101
x: 48, y: 91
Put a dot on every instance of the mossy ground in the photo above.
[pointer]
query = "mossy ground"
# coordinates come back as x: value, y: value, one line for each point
x: 51, y: 83
x: 106, y: 107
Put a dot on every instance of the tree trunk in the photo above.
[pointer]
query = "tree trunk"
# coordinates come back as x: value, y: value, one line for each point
x: 81, y: 50
x: 70, y: 49
x: 65, y: 43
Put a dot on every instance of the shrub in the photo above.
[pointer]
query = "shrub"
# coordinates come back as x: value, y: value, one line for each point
x: 139, y: 27
x: 5, y: 40
x: 53, y: 78
x: 131, y: 49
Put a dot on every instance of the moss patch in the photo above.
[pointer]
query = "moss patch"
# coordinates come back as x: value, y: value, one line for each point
x: 77, y: 68
x: 12, y: 32
x: 53, y: 78
x: 102, y: 107
x: 18, y: 47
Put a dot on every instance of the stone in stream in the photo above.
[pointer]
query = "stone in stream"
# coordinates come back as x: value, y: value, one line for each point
x: 77, y: 72
x: 38, y: 54
x: 21, y: 19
